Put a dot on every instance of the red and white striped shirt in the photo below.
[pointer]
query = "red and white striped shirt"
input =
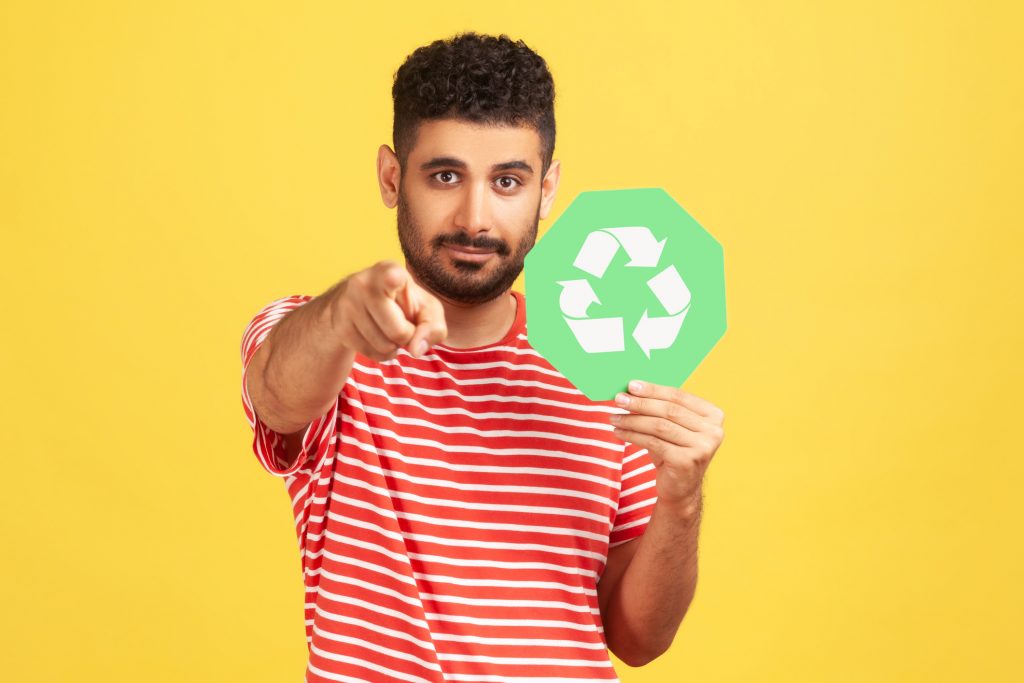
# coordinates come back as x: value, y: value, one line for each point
x: 454, y: 514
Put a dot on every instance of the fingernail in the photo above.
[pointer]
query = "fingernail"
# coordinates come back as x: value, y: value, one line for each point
x: 636, y: 386
x: 622, y: 399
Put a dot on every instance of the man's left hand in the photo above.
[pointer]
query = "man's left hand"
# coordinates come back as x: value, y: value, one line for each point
x: 680, y: 431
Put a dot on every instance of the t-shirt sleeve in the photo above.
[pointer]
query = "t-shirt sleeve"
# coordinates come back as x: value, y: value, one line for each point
x: 637, y: 496
x: 268, y: 445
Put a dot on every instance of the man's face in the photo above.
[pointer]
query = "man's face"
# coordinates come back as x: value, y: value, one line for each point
x: 469, y: 206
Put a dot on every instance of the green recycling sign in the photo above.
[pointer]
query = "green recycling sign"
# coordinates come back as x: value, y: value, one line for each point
x: 625, y: 285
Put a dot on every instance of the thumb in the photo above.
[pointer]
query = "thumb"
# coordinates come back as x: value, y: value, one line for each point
x: 427, y: 333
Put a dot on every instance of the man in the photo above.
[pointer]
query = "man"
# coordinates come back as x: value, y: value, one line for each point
x: 463, y: 512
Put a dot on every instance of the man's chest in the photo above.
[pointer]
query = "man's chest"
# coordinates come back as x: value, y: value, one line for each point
x: 506, y: 485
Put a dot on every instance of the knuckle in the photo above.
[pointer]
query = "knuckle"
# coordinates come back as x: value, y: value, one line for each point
x: 402, y: 336
x: 354, y: 282
x: 394, y: 330
x: 678, y: 461
x: 382, y: 269
x: 361, y: 285
x: 662, y: 428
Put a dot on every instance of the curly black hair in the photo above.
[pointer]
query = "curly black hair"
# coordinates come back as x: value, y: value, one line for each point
x: 481, y: 78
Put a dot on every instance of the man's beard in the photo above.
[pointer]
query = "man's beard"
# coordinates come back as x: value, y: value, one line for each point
x: 428, y: 261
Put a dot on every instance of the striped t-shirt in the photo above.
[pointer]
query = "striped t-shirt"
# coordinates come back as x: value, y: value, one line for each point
x: 454, y: 514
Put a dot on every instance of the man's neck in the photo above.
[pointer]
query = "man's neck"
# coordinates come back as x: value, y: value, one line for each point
x: 473, y: 325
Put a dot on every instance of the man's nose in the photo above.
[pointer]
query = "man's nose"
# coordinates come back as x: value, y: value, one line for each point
x: 474, y: 214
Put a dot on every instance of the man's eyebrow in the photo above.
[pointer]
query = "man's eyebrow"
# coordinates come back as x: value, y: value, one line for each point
x: 517, y: 164
x: 439, y: 162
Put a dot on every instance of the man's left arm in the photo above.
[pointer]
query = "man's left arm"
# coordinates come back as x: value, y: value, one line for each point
x: 681, y: 432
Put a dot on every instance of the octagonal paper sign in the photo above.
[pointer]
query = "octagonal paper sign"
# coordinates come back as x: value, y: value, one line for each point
x: 625, y: 285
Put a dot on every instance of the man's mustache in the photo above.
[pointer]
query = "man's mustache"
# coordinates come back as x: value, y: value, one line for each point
x: 461, y: 239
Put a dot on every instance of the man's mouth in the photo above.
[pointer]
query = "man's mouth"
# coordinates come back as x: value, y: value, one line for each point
x: 474, y: 254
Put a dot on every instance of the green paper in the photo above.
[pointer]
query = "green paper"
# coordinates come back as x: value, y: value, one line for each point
x: 625, y: 285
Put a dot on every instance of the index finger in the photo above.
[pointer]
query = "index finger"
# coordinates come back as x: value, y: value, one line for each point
x: 392, y: 280
x: 430, y: 323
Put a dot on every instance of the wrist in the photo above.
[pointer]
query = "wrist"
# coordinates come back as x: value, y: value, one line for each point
x: 686, y: 509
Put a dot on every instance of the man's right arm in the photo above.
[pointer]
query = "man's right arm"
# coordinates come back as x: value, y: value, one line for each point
x: 298, y: 371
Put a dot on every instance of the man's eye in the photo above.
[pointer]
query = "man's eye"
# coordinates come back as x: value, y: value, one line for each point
x: 445, y: 174
x: 508, y: 177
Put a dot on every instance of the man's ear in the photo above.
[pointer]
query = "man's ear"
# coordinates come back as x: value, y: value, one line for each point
x: 389, y: 175
x: 548, y: 187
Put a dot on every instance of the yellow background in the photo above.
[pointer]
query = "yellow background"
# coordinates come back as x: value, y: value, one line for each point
x: 166, y: 169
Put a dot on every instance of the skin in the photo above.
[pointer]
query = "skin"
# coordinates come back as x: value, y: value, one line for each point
x: 657, y: 577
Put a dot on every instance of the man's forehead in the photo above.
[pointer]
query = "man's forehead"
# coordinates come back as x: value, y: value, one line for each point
x: 477, y: 145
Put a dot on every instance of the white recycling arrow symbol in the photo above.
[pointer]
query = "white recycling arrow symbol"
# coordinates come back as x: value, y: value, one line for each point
x: 601, y: 335
x: 599, y: 249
